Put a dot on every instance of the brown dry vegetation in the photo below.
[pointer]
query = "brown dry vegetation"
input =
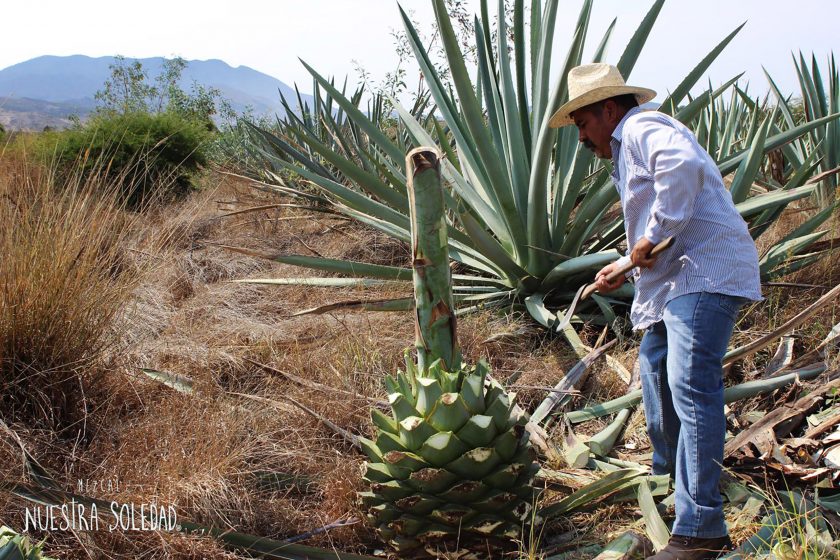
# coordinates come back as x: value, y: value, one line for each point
x: 238, y: 453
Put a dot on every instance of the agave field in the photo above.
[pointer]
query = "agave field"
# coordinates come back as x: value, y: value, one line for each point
x: 531, y: 212
x: 251, y: 390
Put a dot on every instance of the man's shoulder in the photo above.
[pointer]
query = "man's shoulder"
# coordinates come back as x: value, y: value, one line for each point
x: 648, y: 126
x: 648, y: 120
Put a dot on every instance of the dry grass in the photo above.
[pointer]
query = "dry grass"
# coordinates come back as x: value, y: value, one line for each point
x: 64, y: 278
x: 265, y: 466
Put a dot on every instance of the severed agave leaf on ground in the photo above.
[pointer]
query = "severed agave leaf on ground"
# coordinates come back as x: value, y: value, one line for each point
x: 781, y: 358
x: 626, y: 546
x: 180, y: 383
x: 655, y: 528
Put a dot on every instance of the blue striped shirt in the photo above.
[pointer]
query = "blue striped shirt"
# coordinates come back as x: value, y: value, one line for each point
x: 669, y: 186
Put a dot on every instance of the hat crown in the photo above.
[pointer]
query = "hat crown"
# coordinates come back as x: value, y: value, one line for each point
x: 588, y: 77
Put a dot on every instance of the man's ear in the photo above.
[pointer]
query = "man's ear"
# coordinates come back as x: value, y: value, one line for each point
x: 611, y: 111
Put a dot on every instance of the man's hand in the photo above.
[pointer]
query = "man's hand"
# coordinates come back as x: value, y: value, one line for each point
x: 640, y: 253
x: 601, y: 283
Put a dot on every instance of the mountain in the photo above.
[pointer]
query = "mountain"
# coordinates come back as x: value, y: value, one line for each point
x: 43, y: 91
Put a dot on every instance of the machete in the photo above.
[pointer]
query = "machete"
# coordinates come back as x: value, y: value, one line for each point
x: 588, y: 289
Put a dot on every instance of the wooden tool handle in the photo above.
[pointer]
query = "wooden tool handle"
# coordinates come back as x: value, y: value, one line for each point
x: 621, y: 271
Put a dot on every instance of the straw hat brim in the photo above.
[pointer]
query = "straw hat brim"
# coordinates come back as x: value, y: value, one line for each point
x: 562, y: 117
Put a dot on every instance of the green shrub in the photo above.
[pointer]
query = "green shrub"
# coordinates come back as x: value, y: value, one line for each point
x: 150, y: 155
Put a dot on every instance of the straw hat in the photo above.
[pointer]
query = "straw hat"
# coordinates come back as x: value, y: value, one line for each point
x: 590, y: 83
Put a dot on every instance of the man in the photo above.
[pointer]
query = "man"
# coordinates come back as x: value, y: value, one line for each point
x: 686, y: 300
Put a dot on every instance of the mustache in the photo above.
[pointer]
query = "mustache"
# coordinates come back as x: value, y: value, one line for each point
x: 589, y: 145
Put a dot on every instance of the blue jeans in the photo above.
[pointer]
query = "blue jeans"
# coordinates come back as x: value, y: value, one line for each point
x: 680, y: 362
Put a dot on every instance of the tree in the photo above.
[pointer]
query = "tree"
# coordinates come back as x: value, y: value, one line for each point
x: 128, y: 90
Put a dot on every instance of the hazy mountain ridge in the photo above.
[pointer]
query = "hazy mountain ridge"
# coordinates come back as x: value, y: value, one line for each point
x: 45, y: 90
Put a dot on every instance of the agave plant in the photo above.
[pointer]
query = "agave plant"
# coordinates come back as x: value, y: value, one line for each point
x: 452, y: 466
x: 816, y: 104
x: 17, y: 547
x: 532, y: 214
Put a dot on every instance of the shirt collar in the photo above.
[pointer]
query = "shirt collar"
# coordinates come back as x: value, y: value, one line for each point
x: 615, y: 144
x: 617, y: 132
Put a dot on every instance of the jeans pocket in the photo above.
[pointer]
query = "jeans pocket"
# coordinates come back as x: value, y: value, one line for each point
x: 731, y: 304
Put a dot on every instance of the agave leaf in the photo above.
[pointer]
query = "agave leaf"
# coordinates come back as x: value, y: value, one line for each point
x: 560, y: 395
x: 370, y: 182
x: 731, y: 163
x: 772, y: 200
x: 180, y: 383
x: 602, y: 443
x: 634, y: 47
x: 811, y: 224
x: 359, y: 118
x: 538, y: 234
x: 687, y: 113
x: 542, y: 39
x: 323, y: 282
x: 654, y: 526
x: 601, y: 49
x: 517, y: 154
x: 577, y: 265
x: 536, y: 307
x: 745, y: 175
x: 341, y: 266
x: 670, y: 104
x: 474, y: 121
x: 785, y: 250
x: 592, y: 492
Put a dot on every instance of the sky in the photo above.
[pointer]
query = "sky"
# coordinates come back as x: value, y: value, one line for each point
x: 336, y: 35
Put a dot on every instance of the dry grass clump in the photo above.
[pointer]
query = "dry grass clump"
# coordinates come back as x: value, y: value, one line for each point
x: 64, y: 278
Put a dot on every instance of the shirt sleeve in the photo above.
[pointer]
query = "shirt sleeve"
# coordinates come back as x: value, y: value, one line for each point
x: 623, y: 261
x: 677, y: 166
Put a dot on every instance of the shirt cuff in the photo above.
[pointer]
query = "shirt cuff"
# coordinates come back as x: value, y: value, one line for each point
x: 623, y: 261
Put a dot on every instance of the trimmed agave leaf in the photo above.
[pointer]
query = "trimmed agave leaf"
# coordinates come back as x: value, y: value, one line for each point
x: 475, y: 463
x: 602, y: 443
x: 479, y: 431
x: 449, y: 414
x: 432, y: 480
x: 429, y: 392
x: 414, y: 432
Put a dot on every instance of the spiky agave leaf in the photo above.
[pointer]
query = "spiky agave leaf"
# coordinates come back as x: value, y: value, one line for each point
x: 451, y: 468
